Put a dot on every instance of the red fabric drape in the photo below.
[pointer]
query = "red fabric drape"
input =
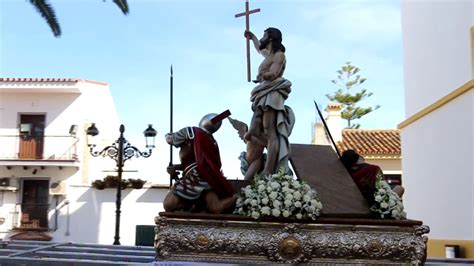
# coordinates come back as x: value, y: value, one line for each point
x: 208, y: 162
x: 365, y: 175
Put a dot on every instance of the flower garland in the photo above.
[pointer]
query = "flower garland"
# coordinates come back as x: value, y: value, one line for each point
x: 278, y: 195
x: 387, y: 203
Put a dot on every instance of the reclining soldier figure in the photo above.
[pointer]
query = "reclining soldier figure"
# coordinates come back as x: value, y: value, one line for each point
x: 202, y: 181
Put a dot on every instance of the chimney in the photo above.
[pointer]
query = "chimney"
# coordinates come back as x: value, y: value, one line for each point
x: 319, y: 134
x: 334, y: 120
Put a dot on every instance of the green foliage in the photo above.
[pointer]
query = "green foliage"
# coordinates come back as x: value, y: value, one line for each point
x: 112, y: 181
x: 347, y: 79
x: 46, y: 10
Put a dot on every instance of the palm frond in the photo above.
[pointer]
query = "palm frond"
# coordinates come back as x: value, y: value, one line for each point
x: 47, y: 12
x: 123, y: 5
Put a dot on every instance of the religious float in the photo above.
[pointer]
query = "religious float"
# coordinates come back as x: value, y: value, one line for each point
x: 321, y: 212
x: 345, y: 232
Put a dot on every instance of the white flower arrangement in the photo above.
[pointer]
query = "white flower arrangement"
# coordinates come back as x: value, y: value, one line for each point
x: 387, y: 203
x: 278, y: 195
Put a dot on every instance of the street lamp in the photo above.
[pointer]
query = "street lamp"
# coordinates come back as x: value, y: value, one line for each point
x: 121, y: 150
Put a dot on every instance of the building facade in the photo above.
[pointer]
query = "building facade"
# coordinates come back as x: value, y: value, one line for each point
x: 437, y: 135
x: 46, y: 168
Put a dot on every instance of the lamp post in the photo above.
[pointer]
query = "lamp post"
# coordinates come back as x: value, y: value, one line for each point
x: 121, y: 150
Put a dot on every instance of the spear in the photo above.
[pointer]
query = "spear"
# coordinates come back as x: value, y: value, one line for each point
x: 171, y: 121
x: 327, y: 129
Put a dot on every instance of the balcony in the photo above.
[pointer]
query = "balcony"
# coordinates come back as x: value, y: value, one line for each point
x: 26, y: 149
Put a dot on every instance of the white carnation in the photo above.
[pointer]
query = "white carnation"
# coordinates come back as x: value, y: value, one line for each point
x: 273, y: 195
x: 276, y: 203
x: 298, y: 204
x: 255, y: 214
x: 289, y: 197
x: 261, y: 188
x: 253, y: 202
x: 275, y: 185
x: 299, y: 216
x: 286, y: 213
x: 265, y: 210
x: 391, y: 203
x: 296, y: 184
x: 276, y: 212
x: 297, y: 195
x: 265, y: 201
x: 319, y: 205
x: 384, y: 205
x: 307, y: 198
x: 395, y: 213
x: 378, y: 198
x: 285, y: 184
x: 248, y: 192
x: 287, y: 203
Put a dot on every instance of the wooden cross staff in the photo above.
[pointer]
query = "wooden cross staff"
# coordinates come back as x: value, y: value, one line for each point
x: 247, y: 27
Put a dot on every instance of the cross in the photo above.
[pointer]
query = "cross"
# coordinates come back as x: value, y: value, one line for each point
x: 247, y: 27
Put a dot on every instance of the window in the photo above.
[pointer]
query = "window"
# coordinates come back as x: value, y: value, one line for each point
x: 34, y: 204
x: 31, y: 136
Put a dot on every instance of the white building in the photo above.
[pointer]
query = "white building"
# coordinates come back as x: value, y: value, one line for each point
x: 46, y: 168
x: 437, y: 135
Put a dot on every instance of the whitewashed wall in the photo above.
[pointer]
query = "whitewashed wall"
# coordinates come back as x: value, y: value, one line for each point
x: 437, y: 49
x: 438, y: 170
x: 438, y: 149
x: 92, y: 214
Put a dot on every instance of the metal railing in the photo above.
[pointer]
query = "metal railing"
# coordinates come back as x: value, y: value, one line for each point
x: 38, y: 147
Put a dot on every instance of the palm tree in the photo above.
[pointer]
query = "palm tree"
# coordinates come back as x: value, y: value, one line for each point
x: 46, y: 10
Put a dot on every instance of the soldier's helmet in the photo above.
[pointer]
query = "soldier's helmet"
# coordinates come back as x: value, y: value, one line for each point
x: 207, y: 124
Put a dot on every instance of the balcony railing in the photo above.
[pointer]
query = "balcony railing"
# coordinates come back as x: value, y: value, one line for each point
x: 38, y: 147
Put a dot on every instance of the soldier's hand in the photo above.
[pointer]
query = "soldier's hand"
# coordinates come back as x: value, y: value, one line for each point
x: 171, y: 170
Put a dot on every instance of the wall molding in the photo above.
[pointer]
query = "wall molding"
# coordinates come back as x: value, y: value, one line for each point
x: 438, y: 104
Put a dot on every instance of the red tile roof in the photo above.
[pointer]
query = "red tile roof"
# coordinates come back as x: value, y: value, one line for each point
x: 38, y: 80
x: 50, y: 80
x: 375, y: 142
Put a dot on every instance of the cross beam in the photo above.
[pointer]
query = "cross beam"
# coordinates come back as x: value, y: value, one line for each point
x: 247, y: 28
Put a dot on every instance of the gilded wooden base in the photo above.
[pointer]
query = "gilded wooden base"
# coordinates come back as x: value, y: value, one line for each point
x: 234, y: 239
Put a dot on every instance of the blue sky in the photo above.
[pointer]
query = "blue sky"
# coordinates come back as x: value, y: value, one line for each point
x: 205, y: 44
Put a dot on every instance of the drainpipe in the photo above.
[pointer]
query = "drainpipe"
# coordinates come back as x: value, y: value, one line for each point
x: 67, y: 217
x: 56, y: 213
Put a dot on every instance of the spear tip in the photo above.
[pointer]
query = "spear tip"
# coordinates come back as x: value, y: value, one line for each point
x: 171, y: 70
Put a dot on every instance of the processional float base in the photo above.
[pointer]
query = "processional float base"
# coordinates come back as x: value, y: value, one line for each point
x: 202, y: 237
